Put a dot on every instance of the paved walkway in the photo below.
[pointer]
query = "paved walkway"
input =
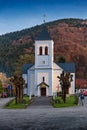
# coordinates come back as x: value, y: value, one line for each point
x: 41, y: 102
x: 3, y: 101
x: 71, y: 118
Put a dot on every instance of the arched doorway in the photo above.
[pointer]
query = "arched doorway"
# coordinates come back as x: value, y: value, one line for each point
x: 43, y: 91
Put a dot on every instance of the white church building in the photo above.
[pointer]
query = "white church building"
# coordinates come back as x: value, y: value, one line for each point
x: 41, y: 77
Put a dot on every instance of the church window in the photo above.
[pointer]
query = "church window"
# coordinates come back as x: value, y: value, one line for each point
x: 46, y: 50
x: 40, y: 51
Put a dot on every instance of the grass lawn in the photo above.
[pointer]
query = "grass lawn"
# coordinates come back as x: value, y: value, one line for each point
x: 12, y: 104
x: 70, y: 101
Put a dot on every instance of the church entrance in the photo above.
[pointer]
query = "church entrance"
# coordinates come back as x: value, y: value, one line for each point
x: 43, y: 91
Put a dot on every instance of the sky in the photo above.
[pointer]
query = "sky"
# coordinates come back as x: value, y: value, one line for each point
x: 16, y: 15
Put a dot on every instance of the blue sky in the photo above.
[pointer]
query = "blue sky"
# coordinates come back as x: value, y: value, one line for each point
x: 20, y: 14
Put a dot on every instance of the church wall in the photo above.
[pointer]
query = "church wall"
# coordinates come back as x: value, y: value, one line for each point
x: 24, y: 76
x: 31, y: 80
x: 40, y: 59
x: 72, y: 88
x: 56, y: 84
x: 44, y: 62
x: 39, y: 74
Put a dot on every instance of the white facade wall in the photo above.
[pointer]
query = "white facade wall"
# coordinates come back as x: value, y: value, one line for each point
x: 31, y: 80
x: 39, y: 74
x: 24, y: 76
x: 54, y: 84
x: 72, y: 88
x: 56, y: 87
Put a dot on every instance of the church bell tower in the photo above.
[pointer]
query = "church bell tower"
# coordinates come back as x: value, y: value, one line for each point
x: 44, y: 50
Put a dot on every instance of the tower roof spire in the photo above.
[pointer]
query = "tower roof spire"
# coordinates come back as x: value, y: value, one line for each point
x: 44, y: 19
x: 44, y: 34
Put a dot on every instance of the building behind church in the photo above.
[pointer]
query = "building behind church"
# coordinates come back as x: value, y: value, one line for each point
x: 41, y: 77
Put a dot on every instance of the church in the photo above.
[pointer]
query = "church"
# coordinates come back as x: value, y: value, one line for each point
x: 41, y: 77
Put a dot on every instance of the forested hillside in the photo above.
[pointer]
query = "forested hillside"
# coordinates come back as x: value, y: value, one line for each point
x: 70, y: 42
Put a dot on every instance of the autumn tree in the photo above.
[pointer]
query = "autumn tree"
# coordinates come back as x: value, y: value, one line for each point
x: 23, y: 59
x: 18, y: 82
x: 65, y: 81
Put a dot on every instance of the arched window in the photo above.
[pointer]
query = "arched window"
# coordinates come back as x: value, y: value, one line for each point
x: 40, y: 51
x: 46, y: 50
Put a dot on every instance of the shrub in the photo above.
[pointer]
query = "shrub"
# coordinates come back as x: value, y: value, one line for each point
x: 59, y: 94
x: 71, y: 100
x: 58, y: 100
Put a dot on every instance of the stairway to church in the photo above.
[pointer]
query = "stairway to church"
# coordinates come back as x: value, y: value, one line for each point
x: 41, y: 102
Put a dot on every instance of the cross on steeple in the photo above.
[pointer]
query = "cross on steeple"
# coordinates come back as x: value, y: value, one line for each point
x: 44, y: 17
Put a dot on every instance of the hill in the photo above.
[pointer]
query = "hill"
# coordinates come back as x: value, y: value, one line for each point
x: 70, y: 38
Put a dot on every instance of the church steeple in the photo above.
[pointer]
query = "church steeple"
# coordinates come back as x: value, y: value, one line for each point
x: 44, y: 34
x: 44, y: 50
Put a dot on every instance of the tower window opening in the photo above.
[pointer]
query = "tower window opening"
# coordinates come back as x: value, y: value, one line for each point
x: 46, y: 50
x: 40, y: 51
x: 43, y: 79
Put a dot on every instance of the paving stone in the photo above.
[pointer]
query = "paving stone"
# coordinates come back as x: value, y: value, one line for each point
x: 72, y: 118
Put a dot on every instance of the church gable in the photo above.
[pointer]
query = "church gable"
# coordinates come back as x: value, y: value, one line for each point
x: 56, y: 67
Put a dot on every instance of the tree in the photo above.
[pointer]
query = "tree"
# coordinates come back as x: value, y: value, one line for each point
x: 1, y: 88
x: 23, y: 59
x: 18, y: 82
x: 62, y: 59
x: 65, y: 80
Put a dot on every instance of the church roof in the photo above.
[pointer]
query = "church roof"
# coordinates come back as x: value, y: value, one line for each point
x: 44, y: 35
x: 67, y: 67
x: 26, y: 67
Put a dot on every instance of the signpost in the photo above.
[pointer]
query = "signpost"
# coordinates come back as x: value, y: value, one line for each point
x: 10, y: 89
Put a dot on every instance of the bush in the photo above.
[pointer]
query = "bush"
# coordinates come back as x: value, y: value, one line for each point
x: 75, y: 98
x: 71, y: 100
x: 59, y: 94
x: 58, y: 100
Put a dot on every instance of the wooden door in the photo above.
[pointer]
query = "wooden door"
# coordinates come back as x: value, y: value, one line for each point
x: 43, y: 91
